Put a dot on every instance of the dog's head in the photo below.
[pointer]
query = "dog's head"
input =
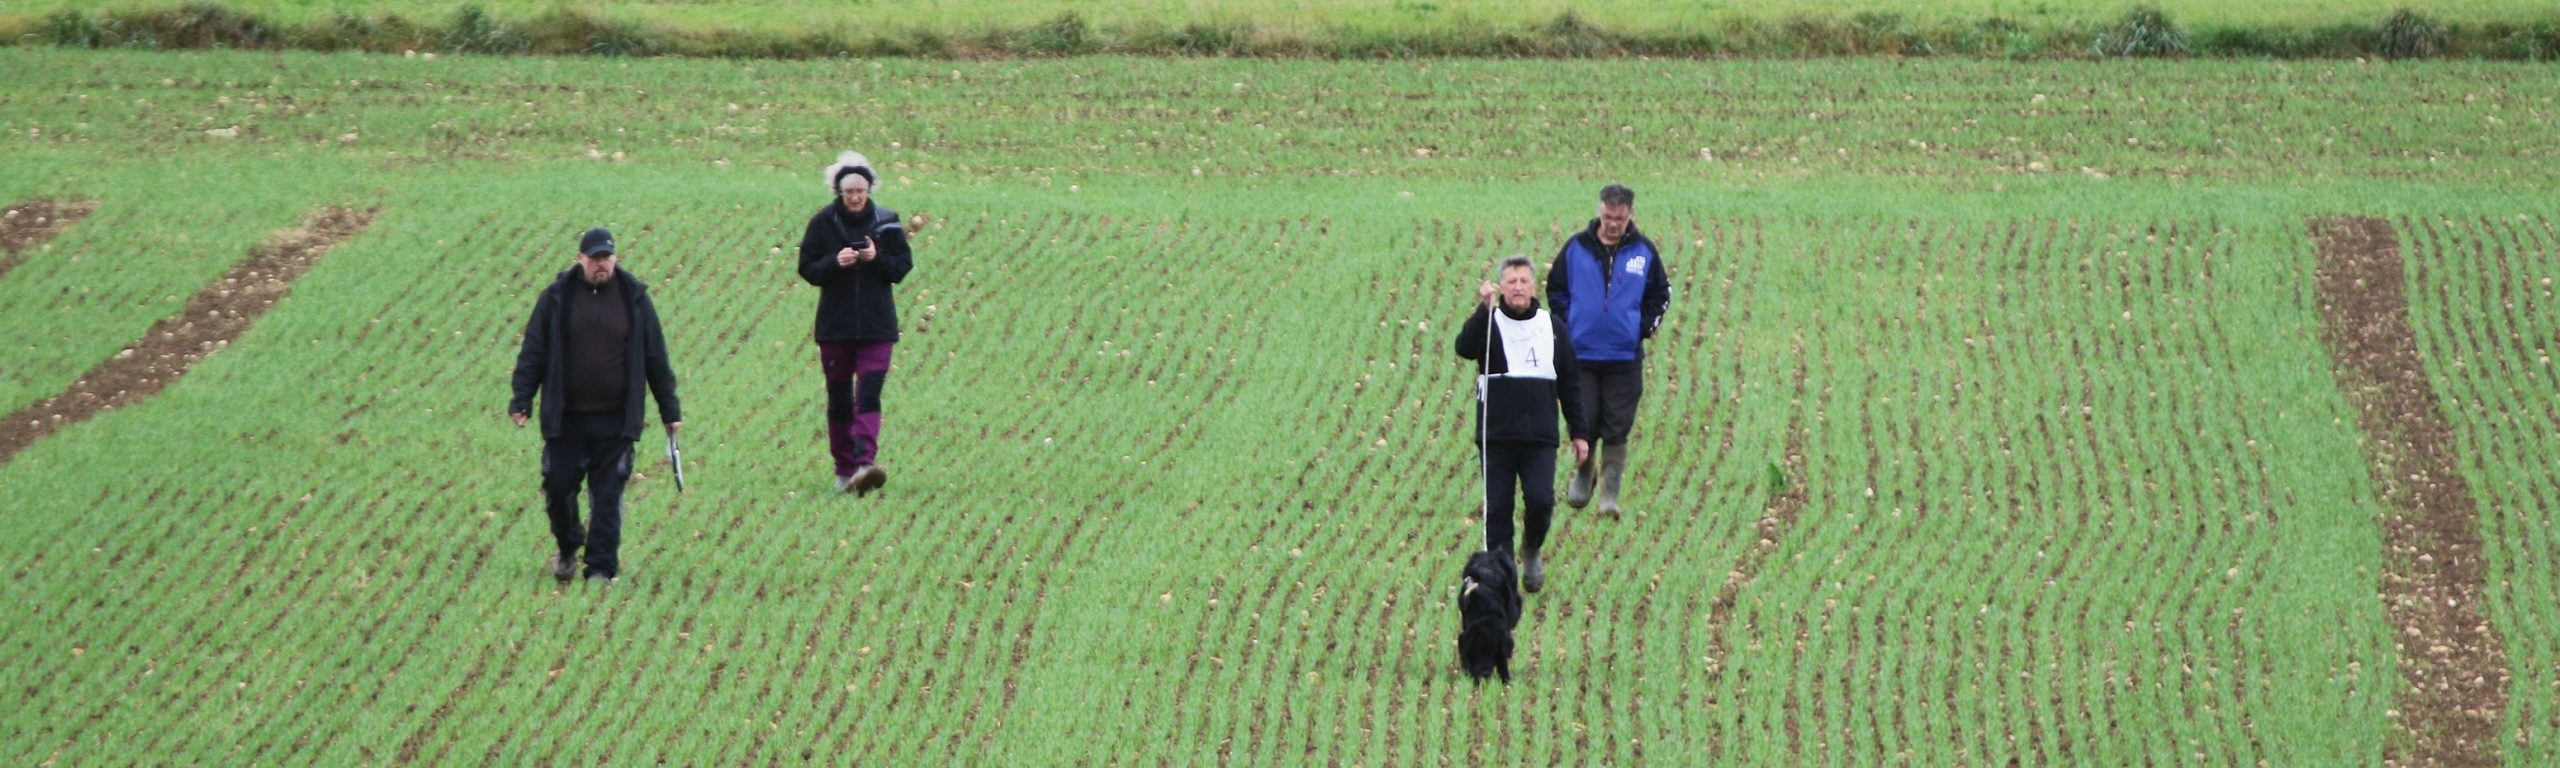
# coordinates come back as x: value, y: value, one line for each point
x: 1488, y: 608
x: 1491, y: 567
x: 1492, y: 586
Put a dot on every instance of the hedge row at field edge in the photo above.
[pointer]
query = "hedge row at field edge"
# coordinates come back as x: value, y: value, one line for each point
x: 564, y: 30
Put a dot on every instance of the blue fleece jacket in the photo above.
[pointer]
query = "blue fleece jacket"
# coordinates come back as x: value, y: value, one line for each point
x: 1611, y: 298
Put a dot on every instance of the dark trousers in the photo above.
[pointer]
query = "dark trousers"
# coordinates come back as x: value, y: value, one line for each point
x: 1530, y: 468
x: 1610, y: 391
x: 591, y: 449
x: 856, y: 372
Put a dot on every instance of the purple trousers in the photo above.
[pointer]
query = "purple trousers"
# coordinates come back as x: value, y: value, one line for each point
x: 855, y: 372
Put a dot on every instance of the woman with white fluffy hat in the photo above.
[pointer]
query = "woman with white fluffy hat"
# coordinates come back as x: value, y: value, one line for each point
x: 854, y: 251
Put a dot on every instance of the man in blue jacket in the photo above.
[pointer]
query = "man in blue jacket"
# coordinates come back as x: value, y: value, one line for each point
x: 1609, y: 284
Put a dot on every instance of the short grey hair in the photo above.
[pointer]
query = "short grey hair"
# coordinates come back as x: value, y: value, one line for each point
x: 1519, y: 261
x: 1617, y: 194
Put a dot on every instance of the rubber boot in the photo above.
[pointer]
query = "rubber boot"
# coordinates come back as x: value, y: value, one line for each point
x: 1577, y: 492
x: 1533, y: 571
x: 1613, y: 468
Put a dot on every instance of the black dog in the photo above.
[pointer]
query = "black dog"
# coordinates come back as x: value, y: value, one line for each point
x: 1488, y: 608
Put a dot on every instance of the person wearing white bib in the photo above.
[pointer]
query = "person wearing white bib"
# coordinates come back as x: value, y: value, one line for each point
x: 1525, y: 379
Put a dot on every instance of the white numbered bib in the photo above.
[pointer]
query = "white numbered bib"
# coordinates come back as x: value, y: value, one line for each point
x: 1528, y: 345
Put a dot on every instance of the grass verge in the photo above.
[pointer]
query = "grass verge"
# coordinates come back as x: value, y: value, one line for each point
x: 562, y: 29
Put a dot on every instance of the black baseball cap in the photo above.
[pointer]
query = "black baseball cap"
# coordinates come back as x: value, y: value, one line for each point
x: 595, y: 241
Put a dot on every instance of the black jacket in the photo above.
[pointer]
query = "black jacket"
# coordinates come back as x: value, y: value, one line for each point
x: 1523, y: 410
x: 540, y: 365
x: 854, y: 303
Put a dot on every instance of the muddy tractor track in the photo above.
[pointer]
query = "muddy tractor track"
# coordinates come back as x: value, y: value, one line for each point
x: 28, y: 225
x: 2453, y: 665
x: 217, y: 315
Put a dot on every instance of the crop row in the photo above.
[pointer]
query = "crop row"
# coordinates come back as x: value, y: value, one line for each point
x: 2064, y: 415
x: 1070, y: 121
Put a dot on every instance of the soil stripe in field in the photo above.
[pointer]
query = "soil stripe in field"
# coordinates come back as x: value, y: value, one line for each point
x: 219, y: 313
x: 2453, y: 664
x: 32, y: 223
x: 1779, y: 517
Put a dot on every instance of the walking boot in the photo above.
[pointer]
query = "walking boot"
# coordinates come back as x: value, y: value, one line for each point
x: 1577, y: 492
x: 866, y: 478
x: 1533, y: 571
x: 1613, y: 467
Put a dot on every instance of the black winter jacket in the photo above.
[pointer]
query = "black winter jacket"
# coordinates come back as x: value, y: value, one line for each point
x: 541, y: 366
x: 1523, y: 410
x: 854, y: 303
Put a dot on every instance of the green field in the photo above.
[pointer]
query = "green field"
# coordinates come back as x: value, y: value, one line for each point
x: 1181, y: 452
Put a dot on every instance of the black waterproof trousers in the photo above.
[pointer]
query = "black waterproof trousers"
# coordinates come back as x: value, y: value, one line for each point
x: 590, y: 449
x: 1529, y: 468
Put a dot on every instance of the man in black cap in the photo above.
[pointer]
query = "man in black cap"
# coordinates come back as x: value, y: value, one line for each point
x: 592, y: 344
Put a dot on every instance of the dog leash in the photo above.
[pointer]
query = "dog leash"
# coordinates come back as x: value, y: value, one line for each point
x: 1484, y: 412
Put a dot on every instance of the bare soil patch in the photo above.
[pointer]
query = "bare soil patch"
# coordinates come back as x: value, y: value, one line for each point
x: 32, y: 223
x: 214, y: 317
x: 2452, y: 662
